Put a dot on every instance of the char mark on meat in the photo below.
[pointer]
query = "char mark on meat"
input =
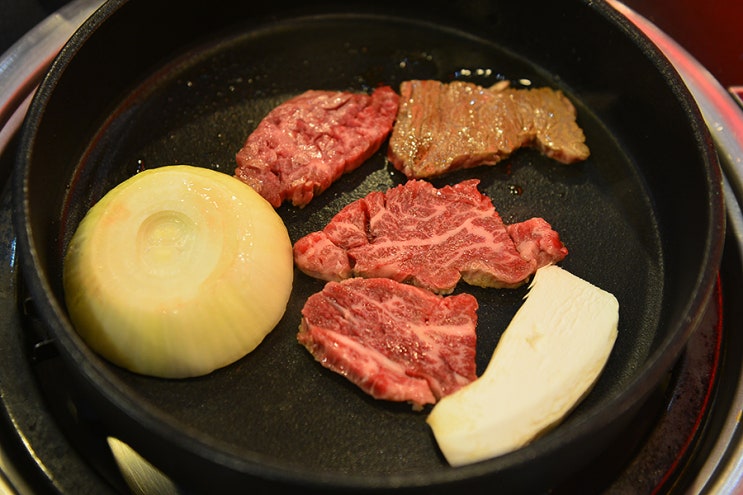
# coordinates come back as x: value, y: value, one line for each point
x: 305, y: 144
x: 394, y: 341
x: 444, y: 127
x: 429, y: 237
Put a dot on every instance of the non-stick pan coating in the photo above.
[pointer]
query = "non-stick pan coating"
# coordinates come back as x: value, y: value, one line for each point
x: 640, y: 217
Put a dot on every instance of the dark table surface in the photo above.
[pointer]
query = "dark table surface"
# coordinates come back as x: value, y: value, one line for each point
x: 711, y: 30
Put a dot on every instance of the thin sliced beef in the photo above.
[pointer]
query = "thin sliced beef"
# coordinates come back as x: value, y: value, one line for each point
x: 429, y: 237
x: 443, y: 127
x: 395, y: 341
x: 306, y: 143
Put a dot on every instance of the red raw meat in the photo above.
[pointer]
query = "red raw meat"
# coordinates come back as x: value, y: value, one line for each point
x: 429, y: 237
x: 394, y: 341
x: 302, y: 146
x: 535, y: 239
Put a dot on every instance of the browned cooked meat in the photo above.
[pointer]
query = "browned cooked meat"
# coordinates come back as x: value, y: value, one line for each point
x: 443, y: 127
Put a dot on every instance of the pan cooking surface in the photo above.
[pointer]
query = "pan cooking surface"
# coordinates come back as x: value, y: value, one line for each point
x: 277, y: 405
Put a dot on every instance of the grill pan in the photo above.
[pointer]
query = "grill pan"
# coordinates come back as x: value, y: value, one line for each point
x: 144, y: 84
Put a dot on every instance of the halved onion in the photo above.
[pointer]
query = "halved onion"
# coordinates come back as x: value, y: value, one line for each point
x: 178, y: 271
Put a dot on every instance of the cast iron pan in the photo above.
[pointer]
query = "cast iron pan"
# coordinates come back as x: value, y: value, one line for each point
x: 145, y: 84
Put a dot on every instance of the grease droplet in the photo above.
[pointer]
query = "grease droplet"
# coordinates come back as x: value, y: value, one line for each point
x: 515, y: 190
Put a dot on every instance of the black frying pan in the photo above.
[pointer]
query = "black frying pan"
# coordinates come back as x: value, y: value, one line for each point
x: 147, y: 83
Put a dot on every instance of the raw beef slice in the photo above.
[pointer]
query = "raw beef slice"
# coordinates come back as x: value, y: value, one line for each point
x: 306, y: 143
x: 429, y: 237
x: 443, y: 127
x: 394, y: 341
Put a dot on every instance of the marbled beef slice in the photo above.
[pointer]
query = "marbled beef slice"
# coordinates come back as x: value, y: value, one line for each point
x: 306, y: 143
x: 394, y: 341
x: 429, y: 237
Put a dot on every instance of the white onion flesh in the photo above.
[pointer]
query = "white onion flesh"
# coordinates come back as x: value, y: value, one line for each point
x: 178, y: 271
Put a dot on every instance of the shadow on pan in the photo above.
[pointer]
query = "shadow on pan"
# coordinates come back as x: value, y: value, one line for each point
x: 143, y: 84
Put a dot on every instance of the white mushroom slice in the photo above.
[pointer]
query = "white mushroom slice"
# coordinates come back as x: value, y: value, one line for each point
x: 546, y: 362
